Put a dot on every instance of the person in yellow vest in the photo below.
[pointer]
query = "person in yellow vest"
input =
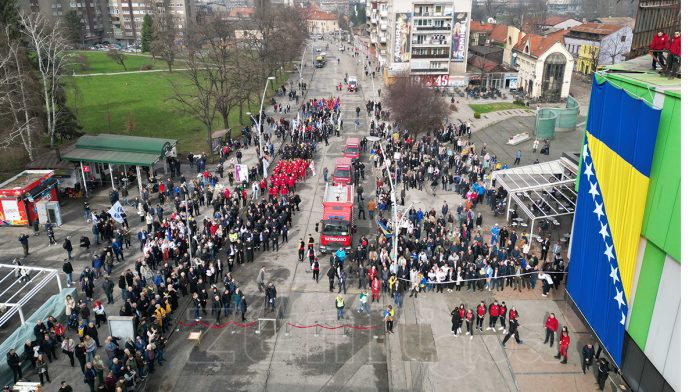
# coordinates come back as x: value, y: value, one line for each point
x: 389, y: 314
x: 340, y: 304
x: 391, y: 281
x: 160, y: 313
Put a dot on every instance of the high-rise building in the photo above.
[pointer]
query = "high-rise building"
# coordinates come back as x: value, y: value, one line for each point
x: 426, y: 39
x: 127, y: 16
x: 94, y: 14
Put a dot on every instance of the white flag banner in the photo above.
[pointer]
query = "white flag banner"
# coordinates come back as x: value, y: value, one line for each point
x: 116, y: 212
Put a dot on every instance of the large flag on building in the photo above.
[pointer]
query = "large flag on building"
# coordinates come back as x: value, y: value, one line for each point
x: 614, y: 176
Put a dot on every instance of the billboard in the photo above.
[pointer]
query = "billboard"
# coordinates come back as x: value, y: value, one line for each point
x: 460, y: 26
x: 402, y: 38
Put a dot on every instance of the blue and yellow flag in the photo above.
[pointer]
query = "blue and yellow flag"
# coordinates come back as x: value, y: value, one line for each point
x: 615, y: 173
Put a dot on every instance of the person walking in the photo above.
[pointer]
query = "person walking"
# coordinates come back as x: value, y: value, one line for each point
x: 340, y: 304
x: 270, y: 296
x: 518, y: 156
x: 301, y: 251
x: 90, y: 376
x: 588, y: 353
x: 261, y: 279
x: 315, y: 270
x: 513, y: 324
x: 24, y: 240
x: 563, y: 347
x: 363, y: 303
x: 67, y: 245
x: 551, y: 328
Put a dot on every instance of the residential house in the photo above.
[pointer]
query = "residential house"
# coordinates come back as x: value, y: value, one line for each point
x: 595, y: 44
x: 544, y: 65
x: 558, y: 22
x: 506, y: 37
x: 479, y: 32
x: 320, y: 22
x: 616, y: 20
x: 564, y: 6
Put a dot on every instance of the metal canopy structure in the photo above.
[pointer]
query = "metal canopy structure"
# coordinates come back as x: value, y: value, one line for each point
x: 118, y: 150
x: 16, y: 293
x: 540, y: 191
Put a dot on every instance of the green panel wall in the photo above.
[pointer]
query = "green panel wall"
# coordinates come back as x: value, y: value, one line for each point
x: 663, y: 203
x: 646, y: 293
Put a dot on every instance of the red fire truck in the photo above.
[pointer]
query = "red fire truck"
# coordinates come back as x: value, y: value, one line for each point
x: 337, y: 226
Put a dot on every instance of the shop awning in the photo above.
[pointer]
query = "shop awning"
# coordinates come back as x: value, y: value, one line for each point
x: 118, y: 149
x: 77, y: 154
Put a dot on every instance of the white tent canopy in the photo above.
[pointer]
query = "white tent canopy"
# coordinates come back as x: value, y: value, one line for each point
x: 540, y: 191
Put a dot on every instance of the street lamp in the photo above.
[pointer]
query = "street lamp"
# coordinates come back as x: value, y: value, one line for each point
x: 263, y: 98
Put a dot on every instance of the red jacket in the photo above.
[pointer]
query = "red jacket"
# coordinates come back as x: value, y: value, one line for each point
x: 494, y: 310
x: 565, y: 341
x: 469, y: 315
x: 659, y: 43
x: 481, y: 310
x: 375, y: 285
x: 674, y: 46
x: 552, y: 324
x: 512, y: 315
x: 503, y: 310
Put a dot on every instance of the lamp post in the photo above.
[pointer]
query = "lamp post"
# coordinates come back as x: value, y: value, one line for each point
x: 263, y: 99
x: 393, y: 198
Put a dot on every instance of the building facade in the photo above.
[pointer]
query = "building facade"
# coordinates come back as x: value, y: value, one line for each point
x: 377, y: 26
x: 428, y: 40
x: 320, y: 22
x: 594, y: 44
x: 544, y: 66
x: 93, y: 13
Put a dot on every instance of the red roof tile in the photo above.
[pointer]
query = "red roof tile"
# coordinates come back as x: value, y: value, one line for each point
x: 499, y: 34
x: 538, y: 45
x: 554, y: 20
x: 320, y: 15
x: 477, y: 26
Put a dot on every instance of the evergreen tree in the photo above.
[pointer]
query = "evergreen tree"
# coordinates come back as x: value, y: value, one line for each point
x: 9, y: 16
x: 74, y: 28
x: 146, y: 33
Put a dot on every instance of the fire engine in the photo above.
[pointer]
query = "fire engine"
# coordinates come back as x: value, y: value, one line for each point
x: 337, y: 227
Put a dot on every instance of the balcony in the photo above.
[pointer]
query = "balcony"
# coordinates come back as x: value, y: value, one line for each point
x: 433, y: 28
x: 430, y: 56
x: 429, y: 70
x: 428, y: 42
x: 383, y: 26
x: 447, y: 14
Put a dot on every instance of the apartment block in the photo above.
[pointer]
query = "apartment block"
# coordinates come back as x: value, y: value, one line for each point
x: 423, y: 39
x: 94, y: 14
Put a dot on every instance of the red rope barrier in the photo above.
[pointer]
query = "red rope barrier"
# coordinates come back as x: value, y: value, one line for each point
x: 253, y: 323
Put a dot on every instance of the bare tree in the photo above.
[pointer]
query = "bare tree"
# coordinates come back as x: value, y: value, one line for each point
x: 17, y: 100
x: 118, y: 57
x: 196, y: 96
x: 49, y: 46
x: 164, y: 38
x: 416, y: 107
x: 615, y: 47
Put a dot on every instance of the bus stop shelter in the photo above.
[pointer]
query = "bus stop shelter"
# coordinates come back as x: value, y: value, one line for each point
x: 114, y: 150
x: 541, y: 191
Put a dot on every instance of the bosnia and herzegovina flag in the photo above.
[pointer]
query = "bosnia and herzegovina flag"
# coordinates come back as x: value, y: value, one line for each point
x: 616, y: 160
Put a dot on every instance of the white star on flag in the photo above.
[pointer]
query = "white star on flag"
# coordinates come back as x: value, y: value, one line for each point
x: 609, y: 252
x: 604, y: 231
x: 593, y: 190
x: 619, y: 298
x: 623, y: 319
x: 614, y: 274
x: 585, y: 152
x: 588, y: 171
x: 598, y: 210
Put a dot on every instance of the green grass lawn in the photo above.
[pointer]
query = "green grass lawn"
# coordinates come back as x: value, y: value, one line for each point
x: 495, y: 107
x: 99, y: 62
x: 104, y: 103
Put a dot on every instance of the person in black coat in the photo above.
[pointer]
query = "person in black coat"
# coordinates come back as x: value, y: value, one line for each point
x: 15, y: 364
x: 512, y: 328
x: 588, y: 353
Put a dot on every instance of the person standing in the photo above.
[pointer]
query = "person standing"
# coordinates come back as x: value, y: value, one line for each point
x: 217, y: 309
x: 480, y: 314
x: 65, y: 387
x: 24, y: 240
x: 331, y: 274
x: 518, y: 156
x: 493, y: 312
x: 551, y: 328
x: 587, y: 357
x: 315, y: 270
x: 68, y: 348
x: 271, y: 296
x: 243, y: 307
x: 90, y: 376
x: 340, y: 304
x: 15, y: 364
x: 42, y: 369
x: 108, y: 286
x: 502, y: 310
x: 513, y: 324
x: 342, y: 280
x: 301, y: 251
x: 657, y: 47
x: 389, y: 318
x: 455, y: 320
x: 602, y: 372
x: 674, y: 58
x: 470, y: 323
x: 563, y: 347
x: 375, y: 289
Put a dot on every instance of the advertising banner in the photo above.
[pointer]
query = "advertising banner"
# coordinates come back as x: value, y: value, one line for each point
x: 402, y: 38
x: 460, y: 24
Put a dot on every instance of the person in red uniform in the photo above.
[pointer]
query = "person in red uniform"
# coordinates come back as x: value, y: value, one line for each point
x: 657, y: 47
x: 503, y: 314
x: 551, y: 328
x: 470, y: 323
x: 493, y: 313
x: 480, y: 314
x: 674, y: 60
x: 375, y: 289
x: 563, y: 349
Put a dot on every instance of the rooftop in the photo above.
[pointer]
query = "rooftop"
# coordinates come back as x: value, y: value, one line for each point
x: 315, y: 14
x: 638, y: 71
x: 539, y: 44
x: 499, y: 33
x: 555, y: 19
x: 596, y: 28
x: 26, y: 178
x: 477, y: 26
